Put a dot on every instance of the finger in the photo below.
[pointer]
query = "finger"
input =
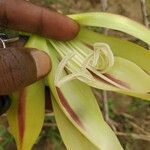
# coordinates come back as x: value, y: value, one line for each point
x: 21, y: 67
x: 21, y: 15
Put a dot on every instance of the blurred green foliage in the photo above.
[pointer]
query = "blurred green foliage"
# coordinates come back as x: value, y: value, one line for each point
x: 5, y: 138
x: 137, y: 104
x: 111, y: 107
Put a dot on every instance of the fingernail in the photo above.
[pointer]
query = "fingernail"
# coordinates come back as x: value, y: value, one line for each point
x: 42, y: 61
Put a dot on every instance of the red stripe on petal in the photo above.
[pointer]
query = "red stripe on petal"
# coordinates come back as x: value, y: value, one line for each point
x: 111, y: 78
x: 68, y: 107
x: 21, y: 113
x: 117, y: 81
x: 99, y: 78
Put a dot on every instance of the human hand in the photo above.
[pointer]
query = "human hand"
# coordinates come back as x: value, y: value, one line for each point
x: 20, y: 67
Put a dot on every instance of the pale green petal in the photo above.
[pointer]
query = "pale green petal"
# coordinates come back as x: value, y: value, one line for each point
x: 26, y: 115
x: 72, y: 138
x: 113, y: 21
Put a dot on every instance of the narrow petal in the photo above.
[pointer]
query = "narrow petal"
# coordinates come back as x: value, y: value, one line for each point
x: 26, y: 105
x: 67, y: 130
x: 113, y: 21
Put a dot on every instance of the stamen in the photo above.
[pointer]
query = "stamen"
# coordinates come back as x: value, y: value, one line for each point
x: 103, y: 57
x: 61, y: 80
x: 98, y: 61
x: 61, y: 67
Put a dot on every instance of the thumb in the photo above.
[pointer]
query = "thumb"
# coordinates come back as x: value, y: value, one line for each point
x: 19, y: 67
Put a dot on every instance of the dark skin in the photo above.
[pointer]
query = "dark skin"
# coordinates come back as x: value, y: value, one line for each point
x: 24, y: 16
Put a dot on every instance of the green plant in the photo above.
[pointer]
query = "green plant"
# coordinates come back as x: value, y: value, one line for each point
x: 5, y: 137
x: 91, y: 59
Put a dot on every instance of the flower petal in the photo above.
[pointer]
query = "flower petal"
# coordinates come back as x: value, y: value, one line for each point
x: 26, y: 115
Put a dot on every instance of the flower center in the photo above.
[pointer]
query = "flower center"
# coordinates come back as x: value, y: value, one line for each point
x: 99, y: 60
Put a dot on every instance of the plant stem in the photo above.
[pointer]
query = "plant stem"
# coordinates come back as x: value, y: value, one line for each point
x: 105, y: 105
x: 104, y: 93
x: 104, y: 4
x: 145, y: 15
